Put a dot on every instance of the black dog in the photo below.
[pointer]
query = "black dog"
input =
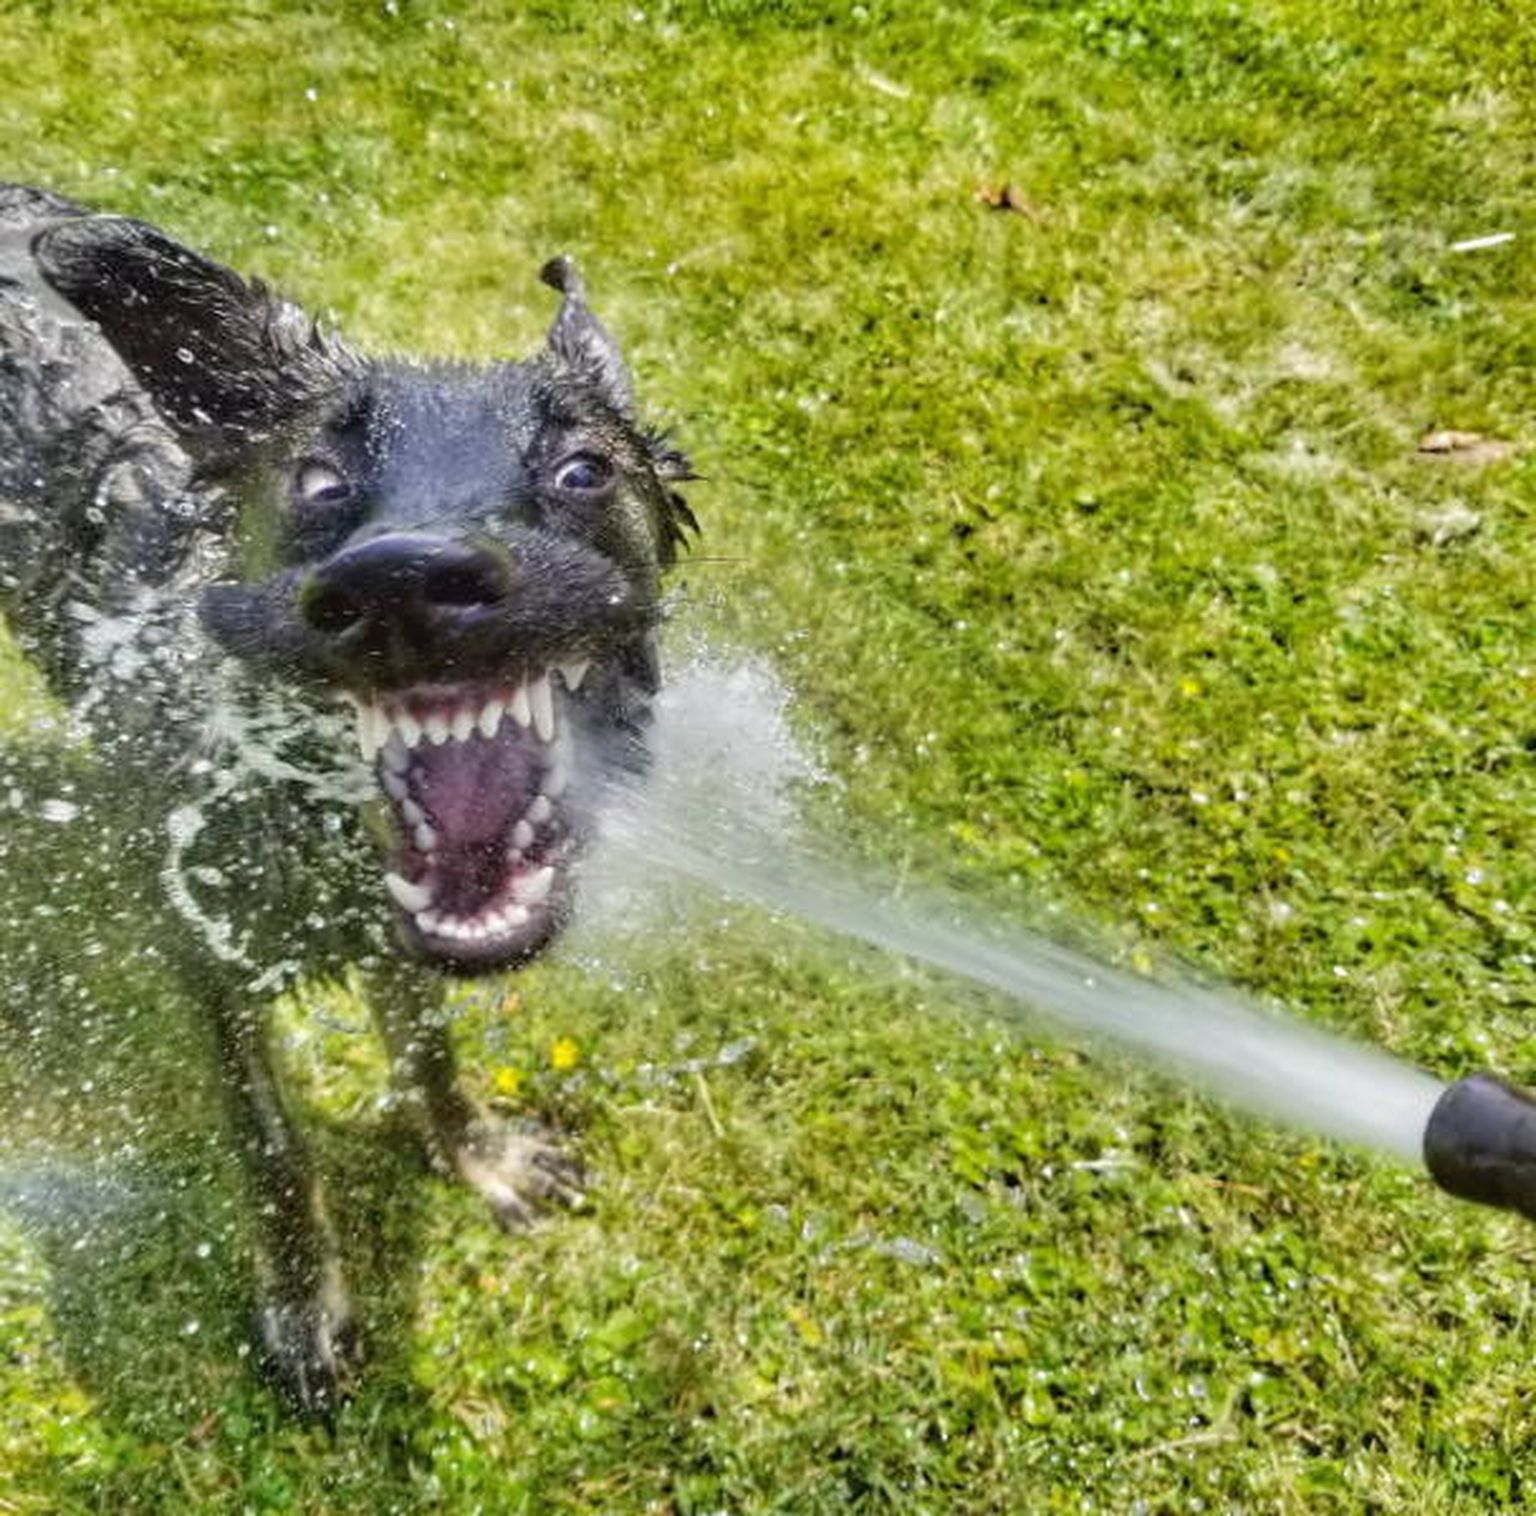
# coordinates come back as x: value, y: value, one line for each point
x: 219, y: 527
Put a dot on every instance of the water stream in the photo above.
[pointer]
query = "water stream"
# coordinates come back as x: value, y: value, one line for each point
x: 716, y: 811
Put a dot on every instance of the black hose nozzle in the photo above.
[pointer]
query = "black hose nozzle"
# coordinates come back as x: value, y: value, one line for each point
x: 1480, y: 1143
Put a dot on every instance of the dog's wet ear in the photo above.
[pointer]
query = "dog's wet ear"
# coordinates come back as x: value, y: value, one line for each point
x: 581, y: 341
x: 221, y: 356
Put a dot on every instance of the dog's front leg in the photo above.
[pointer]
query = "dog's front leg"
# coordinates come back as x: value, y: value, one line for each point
x: 517, y: 1168
x: 304, y: 1320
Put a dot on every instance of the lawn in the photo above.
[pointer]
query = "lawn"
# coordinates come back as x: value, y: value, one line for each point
x: 1061, y: 377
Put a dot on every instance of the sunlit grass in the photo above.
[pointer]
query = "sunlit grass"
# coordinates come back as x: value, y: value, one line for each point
x: 1093, y: 536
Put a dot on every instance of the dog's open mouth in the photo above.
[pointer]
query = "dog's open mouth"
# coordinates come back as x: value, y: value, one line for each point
x: 476, y: 776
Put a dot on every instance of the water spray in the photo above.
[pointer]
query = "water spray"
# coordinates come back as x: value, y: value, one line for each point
x: 714, y: 811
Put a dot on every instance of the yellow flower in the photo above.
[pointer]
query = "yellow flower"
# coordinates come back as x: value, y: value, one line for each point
x: 508, y: 1081
x: 564, y: 1054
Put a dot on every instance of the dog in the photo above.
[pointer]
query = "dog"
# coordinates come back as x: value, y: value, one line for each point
x: 226, y: 536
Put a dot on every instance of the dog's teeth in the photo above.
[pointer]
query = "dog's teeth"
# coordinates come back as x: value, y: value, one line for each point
x: 429, y: 921
x: 408, y: 727
x: 574, y: 673
x: 437, y: 728
x: 515, y: 915
x: 556, y: 780
x: 540, y: 811
x: 410, y: 812
x: 410, y: 897
x: 369, y: 738
x: 463, y: 724
x: 397, y: 760
x: 394, y: 784
x: 542, y: 701
x: 535, y: 887
x: 424, y: 838
x: 490, y: 716
x: 520, y: 710
x: 522, y: 836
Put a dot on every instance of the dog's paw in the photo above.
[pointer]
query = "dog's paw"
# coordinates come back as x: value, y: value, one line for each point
x: 519, y: 1170
x: 309, y: 1351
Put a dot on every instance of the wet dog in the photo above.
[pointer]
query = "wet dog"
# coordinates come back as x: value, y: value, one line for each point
x: 226, y: 536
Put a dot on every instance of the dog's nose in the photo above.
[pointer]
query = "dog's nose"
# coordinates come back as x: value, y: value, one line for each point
x: 404, y: 582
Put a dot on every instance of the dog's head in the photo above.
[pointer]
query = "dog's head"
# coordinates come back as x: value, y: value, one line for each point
x: 471, y: 555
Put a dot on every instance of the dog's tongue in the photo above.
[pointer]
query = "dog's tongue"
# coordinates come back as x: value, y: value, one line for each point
x: 473, y: 792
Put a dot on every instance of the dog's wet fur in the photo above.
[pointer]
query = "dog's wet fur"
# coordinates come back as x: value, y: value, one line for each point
x: 238, y: 550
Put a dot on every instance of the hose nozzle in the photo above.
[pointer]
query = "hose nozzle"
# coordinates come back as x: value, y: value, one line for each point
x: 1480, y: 1143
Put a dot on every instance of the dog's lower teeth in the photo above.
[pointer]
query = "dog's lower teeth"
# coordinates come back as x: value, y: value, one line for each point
x: 424, y: 838
x: 396, y: 759
x: 410, y: 897
x: 535, y: 888
x: 540, y: 811
x: 522, y: 836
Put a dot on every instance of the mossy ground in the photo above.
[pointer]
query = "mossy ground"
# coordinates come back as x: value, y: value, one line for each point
x: 1092, y: 532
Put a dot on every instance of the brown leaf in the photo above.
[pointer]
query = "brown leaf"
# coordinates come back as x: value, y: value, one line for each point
x: 1007, y: 197
x: 1464, y: 447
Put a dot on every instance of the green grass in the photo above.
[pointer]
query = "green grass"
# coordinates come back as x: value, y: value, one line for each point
x: 1093, y: 539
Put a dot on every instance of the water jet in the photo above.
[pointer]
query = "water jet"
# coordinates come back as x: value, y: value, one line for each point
x: 717, y: 811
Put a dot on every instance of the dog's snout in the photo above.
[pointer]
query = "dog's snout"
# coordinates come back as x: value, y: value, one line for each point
x: 402, y: 579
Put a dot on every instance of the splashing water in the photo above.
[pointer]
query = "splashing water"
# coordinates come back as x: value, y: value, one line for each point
x: 716, y: 811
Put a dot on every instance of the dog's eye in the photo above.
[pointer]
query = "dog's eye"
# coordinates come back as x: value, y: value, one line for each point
x: 321, y: 486
x: 584, y: 474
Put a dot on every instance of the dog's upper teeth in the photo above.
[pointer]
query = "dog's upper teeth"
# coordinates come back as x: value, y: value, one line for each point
x: 436, y: 728
x: 411, y: 897
x: 519, y: 709
x: 463, y: 724
x: 408, y: 727
x: 574, y: 673
x: 540, y: 811
x: 491, y: 712
x: 372, y: 728
x: 541, y: 701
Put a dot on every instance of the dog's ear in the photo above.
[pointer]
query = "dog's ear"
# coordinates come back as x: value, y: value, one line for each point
x: 582, y: 342
x: 221, y: 356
